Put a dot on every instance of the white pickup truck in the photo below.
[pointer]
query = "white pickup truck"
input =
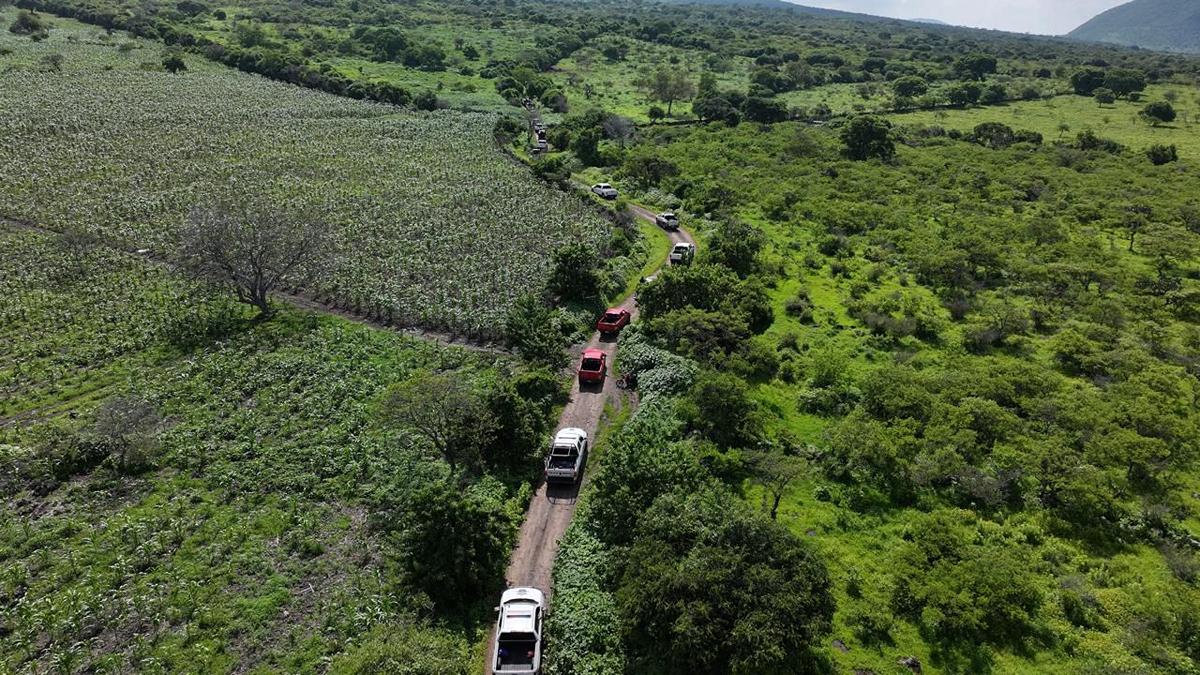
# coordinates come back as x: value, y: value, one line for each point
x: 682, y: 253
x: 518, y: 646
x: 568, y: 454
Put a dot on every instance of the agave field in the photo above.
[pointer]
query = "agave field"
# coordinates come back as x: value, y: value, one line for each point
x: 432, y: 226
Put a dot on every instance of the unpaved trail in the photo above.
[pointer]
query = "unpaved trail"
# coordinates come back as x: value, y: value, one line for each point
x: 552, y: 508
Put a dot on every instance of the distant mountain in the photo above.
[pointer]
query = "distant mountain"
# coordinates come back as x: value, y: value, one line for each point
x: 1163, y: 25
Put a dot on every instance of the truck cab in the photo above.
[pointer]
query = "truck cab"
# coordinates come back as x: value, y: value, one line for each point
x: 593, y: 367
x: 682, y: 253
x: 667, y: 221
x: 568, y: 454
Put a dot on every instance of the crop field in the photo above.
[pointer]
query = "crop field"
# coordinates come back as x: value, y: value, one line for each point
x: 432, y: 226
x: 1119, y: 121
x: 248, y: 542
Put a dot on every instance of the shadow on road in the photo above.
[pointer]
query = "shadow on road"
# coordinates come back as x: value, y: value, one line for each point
x: 592, y: 387
x: 562, y: 493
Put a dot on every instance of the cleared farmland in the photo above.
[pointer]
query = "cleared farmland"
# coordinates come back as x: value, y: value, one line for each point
x: 433, y: 227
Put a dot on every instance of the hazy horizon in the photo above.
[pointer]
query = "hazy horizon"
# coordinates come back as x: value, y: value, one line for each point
x: 1047, y: 17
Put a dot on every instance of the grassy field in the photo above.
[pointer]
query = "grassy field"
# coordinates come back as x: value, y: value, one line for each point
x: 433, y: 226
x: 1119, y: 122
x: 861, y: 234
x: 243, y: 537
x: 613, y: 84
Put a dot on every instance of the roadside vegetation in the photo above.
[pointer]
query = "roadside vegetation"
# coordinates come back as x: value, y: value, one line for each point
x: 927, y: 399
x: 959, y: 363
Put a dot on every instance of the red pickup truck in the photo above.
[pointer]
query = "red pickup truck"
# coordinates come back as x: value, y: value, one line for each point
x: 593, y: 367
x: 613, y: 321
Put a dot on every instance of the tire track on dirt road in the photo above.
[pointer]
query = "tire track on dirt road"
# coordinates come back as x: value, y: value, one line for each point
x: 553, y: 506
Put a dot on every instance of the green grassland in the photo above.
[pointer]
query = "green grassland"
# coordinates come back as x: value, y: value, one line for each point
x: 855, y: 235
x: 433, y: 226
x: 1119, y: 121
x: 613, y: 84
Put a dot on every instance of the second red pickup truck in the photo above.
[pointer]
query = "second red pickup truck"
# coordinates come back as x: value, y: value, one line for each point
x: 593, y: 367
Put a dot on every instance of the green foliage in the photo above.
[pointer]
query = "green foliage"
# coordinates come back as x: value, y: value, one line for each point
x: 451, y: 544
x: 1086, y: 81
x: 1162, y: 154
x: 574, y: 276
x: 1159, y: 112
x: 910, y: 86
x: 975, y: 66
x: 719, y: 408
x: 462, y: 281
x: 534, y: 330
x: 868, y: 137
x: 29, y: 23
x: 735, y: 244
x: 173, y: 62
x: 647, y: 171
x: 711, y: 586
x: 1125, y: 81
x: 707, y: 337
x: 288, y: 407
x: 964, y: 583
x: 406, y: 649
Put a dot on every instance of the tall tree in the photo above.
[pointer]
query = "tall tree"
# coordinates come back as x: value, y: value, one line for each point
x: 253, y: 250
x: 866, y: 137
x: 446, y: 411
x: 713, y: 587
x: 668, y: 85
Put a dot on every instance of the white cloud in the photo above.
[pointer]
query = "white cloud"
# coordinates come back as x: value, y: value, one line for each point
x: 1050, y: 17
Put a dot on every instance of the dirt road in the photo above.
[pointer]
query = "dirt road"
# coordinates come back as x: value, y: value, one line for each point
x: 552, y: 507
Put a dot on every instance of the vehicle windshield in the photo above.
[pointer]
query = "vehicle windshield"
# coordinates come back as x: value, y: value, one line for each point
x: 612, y: 317
x: 591, y: 364
x: 516, y: 649
x: 564, y: 451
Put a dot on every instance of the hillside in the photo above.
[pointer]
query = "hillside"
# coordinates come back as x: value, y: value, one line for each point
x: 1163, y: 25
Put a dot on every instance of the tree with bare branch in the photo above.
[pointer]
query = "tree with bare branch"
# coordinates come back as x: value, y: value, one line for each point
x: 253, y: 250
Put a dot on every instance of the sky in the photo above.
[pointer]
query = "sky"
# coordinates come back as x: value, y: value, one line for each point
x: 1047, y: 17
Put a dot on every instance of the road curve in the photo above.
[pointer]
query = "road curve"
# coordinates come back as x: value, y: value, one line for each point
x: 552, y: 508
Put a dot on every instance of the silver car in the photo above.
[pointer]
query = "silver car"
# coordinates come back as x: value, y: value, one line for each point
x: 605, y: 190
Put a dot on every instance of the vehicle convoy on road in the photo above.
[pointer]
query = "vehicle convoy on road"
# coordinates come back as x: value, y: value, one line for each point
x: 568, y: 455
x: 667, y: 221
x: 594, y: 367
x: 682, y: 253
x: 518, y: 645
x: 605, y: 190
x: 613, y: 321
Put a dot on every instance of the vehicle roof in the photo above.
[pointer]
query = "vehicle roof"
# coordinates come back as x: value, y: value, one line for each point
x: 601, y: 185
x: 570, y: 435
x: 522, y: 593
x: 615, y: 310
x: 683, y: 244
x: 518, y: 610
x: 593, y: 354
x: 667, y: 214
